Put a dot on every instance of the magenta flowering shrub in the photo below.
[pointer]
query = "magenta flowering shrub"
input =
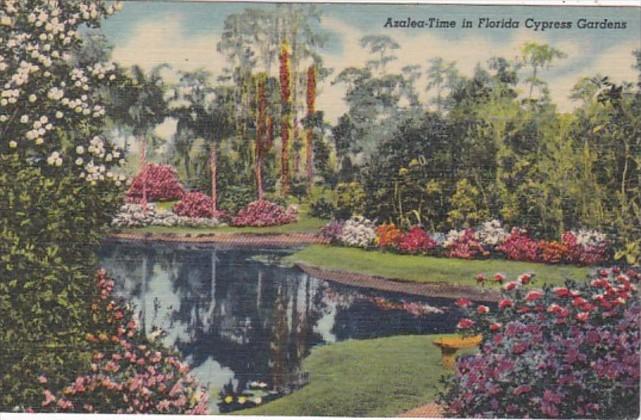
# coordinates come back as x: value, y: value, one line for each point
x: 161, y: 182
x: 563, y: 352
x: 464, y: 244
x: 332, y: 231
x: 264, y: 213
x: 416, y: 241
x: 519, y: 246
x: 129, y: 373
x: 196, y: 204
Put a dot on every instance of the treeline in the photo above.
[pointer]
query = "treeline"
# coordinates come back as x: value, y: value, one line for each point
x: 492, y: 145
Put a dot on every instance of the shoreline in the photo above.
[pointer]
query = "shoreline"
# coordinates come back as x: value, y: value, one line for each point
x: 427, y: 289
x: 272, y: 240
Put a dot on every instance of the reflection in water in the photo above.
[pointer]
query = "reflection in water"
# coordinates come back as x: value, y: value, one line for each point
x: 237, y: 315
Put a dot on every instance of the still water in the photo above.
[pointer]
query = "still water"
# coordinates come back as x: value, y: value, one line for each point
x: 240, y: 315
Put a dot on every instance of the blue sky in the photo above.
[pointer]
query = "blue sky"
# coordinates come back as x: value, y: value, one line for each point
x: 185, y: 34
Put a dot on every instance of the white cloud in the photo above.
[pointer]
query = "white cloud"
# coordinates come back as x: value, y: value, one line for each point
x: 616, y: 63
x: 164, y: 41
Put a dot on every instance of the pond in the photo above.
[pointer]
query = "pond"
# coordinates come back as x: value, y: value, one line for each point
x: 243, y: 319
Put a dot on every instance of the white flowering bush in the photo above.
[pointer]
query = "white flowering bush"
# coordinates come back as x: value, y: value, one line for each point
x: 50, y: 113
x: 491, y: 233
x: 590, y: 238
x: 134, y: 215
x: 358, y: 232
x: 452, y: 237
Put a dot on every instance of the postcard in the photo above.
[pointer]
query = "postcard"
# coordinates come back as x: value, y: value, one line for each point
x: 320, y: 209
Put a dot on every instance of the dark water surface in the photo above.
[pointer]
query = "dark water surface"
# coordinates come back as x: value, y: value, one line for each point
x: 241, y: 315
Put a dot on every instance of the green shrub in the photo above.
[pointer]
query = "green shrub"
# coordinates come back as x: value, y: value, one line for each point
x: 49, y: 231
x: 350, y: 199
x: 277, y: 199
x: 234, y: 198
x: 322, y: 208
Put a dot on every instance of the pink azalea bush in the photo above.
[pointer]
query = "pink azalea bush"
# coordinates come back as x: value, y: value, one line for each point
x: 161, y: 182
x: 129, y: 372
x: 264, y: 213
x: 464, y: 244
x: 519, y: 246
x: 563, y: 352
x: 196, y: 204
x: 416, y: 241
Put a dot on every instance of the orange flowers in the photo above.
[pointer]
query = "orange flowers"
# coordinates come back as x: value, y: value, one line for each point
x: 388, y: 235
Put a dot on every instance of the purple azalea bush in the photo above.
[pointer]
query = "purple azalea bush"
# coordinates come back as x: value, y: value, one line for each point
x: 564, y: 352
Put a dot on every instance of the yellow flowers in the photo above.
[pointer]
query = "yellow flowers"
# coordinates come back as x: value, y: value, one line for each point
x: 6, y: 21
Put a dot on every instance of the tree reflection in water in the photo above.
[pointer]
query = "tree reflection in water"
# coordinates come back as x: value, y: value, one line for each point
x: 236, y: 314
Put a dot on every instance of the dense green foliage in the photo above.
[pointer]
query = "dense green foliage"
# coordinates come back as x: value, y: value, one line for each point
x: 49, y: 231
x: 491, y: 154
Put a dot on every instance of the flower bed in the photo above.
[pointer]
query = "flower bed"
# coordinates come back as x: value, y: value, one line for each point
x: 265, y: 213
x: 134, y: 215
x: 129, y: 372
x: 489, y: 239
x: 564, y: 352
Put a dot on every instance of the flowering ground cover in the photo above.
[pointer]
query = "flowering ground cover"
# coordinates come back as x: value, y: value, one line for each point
x: 423, y: 269
x: 379, y: 377
x: 487, y: 240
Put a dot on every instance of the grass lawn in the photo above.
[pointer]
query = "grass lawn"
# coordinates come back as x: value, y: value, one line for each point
x: 429, y: 269
x: 355, y: 378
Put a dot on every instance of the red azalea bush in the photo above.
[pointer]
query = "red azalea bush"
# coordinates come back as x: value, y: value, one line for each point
x: 161, y: 181
x: 465, y: 245
x: 388, y: 236
x: 563, y: 352
x: 196, y: 204
x: 592, y: 253
x: 264, y: 213
x: 416, y: 241
x: 129, y: 372
x: 519, y: 246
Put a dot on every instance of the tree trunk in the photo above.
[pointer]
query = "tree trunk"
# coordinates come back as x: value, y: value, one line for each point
x: 261, y: 134
x: 309, y: 150
x: 284, y: 158
x: 309, y: 141
x: 285, y: 96
x: 213, y: 166
x: 143, y: 165
x: 259, y: 173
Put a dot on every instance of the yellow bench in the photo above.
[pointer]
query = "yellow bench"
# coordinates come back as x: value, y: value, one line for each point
x: 450, y: 345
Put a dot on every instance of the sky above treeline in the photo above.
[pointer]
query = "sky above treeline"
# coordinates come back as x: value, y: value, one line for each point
x: 184, y: 35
